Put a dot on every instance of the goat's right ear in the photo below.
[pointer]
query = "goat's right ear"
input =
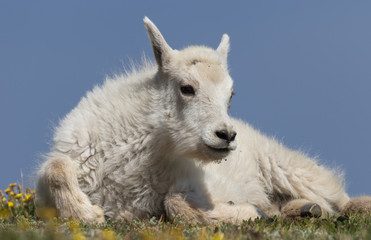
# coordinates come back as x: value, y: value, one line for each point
x: 161, y: 49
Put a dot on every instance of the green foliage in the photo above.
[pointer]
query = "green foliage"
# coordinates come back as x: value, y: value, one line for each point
x: 353, y: 227
x: 19, y: 222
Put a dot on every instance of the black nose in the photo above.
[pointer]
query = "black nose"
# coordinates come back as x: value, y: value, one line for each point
x: 226, y: 135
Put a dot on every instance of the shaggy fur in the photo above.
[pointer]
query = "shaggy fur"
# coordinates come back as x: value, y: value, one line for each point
x: 128, y: 147
x: 138, y: 146
x: 266, y: 174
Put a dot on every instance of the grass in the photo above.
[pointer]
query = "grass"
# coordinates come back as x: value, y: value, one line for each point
x: 18, y: 221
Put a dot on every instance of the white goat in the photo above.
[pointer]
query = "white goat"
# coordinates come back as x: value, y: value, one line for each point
x: 136, y: 147
x: 126, y: 150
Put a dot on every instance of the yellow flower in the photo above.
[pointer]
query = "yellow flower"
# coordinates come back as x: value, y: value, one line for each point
x: 19, y: 195
x: 12, y: 185
x: 10, y: 204
x: 7, y: 190
x: 4, y: 199
x: 27, y: 198
x: 108, y: 234
x: 12, y: 193
x: 218, y: 236
x: 77, y: 234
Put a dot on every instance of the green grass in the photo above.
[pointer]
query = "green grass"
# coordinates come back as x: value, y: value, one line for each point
x: 19, y: 222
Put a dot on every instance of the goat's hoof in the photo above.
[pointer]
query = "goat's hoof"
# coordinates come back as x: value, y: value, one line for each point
x: 311, y: 210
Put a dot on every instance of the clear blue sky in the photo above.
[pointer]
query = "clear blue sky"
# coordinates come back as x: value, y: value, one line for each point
x: 302, y: 69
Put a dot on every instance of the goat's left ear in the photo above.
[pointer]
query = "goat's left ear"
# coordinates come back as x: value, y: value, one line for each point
x: 223, y: 47
x: 161, y: 49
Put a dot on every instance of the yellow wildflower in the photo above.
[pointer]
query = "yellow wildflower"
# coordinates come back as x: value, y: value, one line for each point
x: 10, y: 204
x: 7, y: 190
x: 109, y: 234
x: 12, y: 193
x: 19, y: 195
x: 12, y: 185
x: 218, y: 236
x: 27, y: 198
x: 3, y: 199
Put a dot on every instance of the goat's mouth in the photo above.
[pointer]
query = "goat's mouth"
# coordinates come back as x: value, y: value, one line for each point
x: 220, y: 150
x: 213, y: 153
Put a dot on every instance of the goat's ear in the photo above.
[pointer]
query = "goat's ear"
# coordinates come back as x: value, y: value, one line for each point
x: 223, y: 47
x: 161, y: 49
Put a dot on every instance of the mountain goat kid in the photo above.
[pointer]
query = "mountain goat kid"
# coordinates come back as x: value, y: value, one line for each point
x: 126, y: 151
x: 137, y: 147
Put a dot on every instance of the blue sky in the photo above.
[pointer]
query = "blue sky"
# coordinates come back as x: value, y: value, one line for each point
x: 302, y: 69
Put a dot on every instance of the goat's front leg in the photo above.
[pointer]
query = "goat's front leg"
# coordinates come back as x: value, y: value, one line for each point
x: 177, y: 204
x: 234, y: 213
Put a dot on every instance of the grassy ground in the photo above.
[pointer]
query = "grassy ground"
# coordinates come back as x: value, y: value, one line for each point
x: 18, y: 221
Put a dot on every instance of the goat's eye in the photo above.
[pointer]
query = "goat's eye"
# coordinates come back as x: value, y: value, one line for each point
x: 187, y: 90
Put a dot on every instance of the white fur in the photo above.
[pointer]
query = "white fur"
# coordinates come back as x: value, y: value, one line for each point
x: 129, y: 142
x: 266, y: 174
x: 138, y: 145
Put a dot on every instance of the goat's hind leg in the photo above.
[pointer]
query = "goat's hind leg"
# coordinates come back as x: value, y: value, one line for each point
x: 58, y: 189
x: 301, y: 208
x: 358, y: 205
